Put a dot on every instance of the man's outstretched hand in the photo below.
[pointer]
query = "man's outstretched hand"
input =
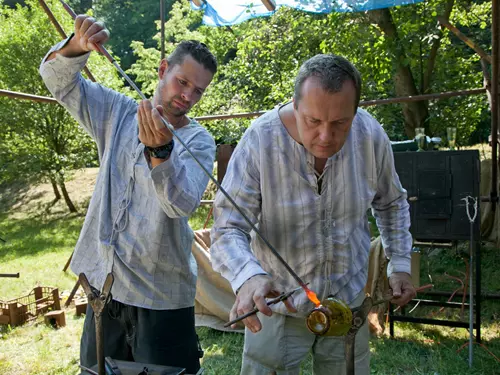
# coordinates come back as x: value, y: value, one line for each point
x: 253, y: 293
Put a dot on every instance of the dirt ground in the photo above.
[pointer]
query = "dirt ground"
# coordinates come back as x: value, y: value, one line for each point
x: 40, y: 198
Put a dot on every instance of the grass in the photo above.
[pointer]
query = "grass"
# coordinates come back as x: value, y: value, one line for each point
x: 38, y: 246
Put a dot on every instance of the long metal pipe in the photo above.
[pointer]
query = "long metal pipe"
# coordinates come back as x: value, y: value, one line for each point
x: 214, y: 180
x: 61, y: 32
x: 364, y: 103
x: 33, y: 98
x: 162, y: 28
x: 495, y: 61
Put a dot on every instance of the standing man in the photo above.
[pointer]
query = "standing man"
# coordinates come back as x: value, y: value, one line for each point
x: 148, y: 185
x: 306, y: 173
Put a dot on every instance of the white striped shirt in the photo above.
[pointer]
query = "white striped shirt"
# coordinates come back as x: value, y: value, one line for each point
x: 324, y: 237
x: 137, y: 220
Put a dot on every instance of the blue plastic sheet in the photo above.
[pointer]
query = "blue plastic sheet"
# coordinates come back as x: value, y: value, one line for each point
x: 231, y: 12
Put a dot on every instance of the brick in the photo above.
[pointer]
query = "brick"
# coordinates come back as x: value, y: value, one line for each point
x: 55, y: 318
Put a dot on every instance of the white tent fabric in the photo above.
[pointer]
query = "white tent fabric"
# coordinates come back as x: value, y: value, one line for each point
x: 225, y: 13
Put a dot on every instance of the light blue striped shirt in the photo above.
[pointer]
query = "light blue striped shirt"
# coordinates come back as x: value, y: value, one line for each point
x: 325, y: 237
x: 137, y: 220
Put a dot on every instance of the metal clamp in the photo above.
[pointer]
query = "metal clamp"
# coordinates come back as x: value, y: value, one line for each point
x: 359, y: 316
x: 98, y: 300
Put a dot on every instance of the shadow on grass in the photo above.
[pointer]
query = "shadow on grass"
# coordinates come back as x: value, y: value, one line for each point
x: 222, y: 351
x: 13, y: 194
x: 33, y: 235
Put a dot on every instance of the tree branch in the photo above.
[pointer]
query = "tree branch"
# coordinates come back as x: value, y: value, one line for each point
x: 431, y: 62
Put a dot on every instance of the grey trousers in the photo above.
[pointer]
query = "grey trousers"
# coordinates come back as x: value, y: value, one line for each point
x: 284, y: 342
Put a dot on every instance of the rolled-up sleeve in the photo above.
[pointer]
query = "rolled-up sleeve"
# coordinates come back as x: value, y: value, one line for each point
x: 179, y: 181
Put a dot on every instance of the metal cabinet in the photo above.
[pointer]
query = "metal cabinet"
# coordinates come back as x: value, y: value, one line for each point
x: 436, y: 182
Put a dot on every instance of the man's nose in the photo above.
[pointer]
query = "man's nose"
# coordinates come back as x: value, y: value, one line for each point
x: 326, y: 134
x: 187, y: 94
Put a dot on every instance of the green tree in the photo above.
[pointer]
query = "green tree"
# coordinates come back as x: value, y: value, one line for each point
x: 127, y: 21
x: 399, y: 51
x: 39, y: 140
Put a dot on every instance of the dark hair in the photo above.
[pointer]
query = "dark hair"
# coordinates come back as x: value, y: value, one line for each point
x: 197, y: 50
x: 332, y: 71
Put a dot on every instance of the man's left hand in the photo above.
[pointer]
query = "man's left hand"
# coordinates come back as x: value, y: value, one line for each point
x: 402, y: 288
x: 152, y: 130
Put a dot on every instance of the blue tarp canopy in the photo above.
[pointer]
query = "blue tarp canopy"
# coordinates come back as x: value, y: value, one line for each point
x: 231, y: 12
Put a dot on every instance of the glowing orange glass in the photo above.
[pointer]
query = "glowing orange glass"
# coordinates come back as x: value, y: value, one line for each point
x: 312, y: 296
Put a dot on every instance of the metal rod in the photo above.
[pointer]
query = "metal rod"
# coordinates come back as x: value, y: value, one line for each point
x: 364, y: 103
x: 33, y: 98
x: 101, y: 367
x: 162, y: 28
x: 273, y: 301
x: 177, y: 138
x: 91, y: 372
x: 437, y: 322
x: 259, y: 113
x: 14, y: 275
x: 442, y: 293
x: 61, y: 32
x: 72, y: 294
x: 416, y: 98
x: 430, y: 302
x: 495, y: 57
x: 471, y: 294
x: 269, y: 4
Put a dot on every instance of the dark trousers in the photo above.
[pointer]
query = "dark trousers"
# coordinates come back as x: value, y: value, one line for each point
x: 159, y: 337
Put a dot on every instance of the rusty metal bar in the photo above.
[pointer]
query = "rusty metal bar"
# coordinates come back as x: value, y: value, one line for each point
x: 416, y: 98
x: 61, y: 32
x: 16, y: 275
x: 269, y: 4
x: 365, y: 103
x: 235, y: 115
x: 464, y: 38
x: 494, y: 99
x: 33, y: 98
x: 162, y: 28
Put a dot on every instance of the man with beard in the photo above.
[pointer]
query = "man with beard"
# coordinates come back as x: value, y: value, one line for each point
x: 306, y: 173
x: 137, y: 222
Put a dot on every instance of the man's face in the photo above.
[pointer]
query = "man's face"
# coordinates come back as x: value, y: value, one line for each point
x: 181, y: 86
x: 324, y: 119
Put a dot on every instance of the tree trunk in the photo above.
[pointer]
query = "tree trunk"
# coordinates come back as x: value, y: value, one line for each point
x: 56, y: 190
x: 67, y: 199
x: 415, y: 114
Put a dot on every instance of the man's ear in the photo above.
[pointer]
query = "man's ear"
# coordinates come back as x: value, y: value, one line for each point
x: 162, y: 69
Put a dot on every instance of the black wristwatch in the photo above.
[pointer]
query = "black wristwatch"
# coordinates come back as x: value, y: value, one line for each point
x: 161, y: 152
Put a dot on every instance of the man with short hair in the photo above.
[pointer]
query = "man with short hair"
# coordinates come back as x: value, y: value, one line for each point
x: 306, y: 173
x: 137, y: 222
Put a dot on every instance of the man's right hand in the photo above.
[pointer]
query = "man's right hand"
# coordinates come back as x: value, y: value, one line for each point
x: 253, y: 293
x: 88, y: 33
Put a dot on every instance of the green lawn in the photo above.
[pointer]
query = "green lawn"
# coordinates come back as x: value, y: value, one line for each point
x: 38, y: 247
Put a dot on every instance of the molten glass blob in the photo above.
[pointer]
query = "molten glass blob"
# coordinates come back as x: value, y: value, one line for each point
x: 332, y: 318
